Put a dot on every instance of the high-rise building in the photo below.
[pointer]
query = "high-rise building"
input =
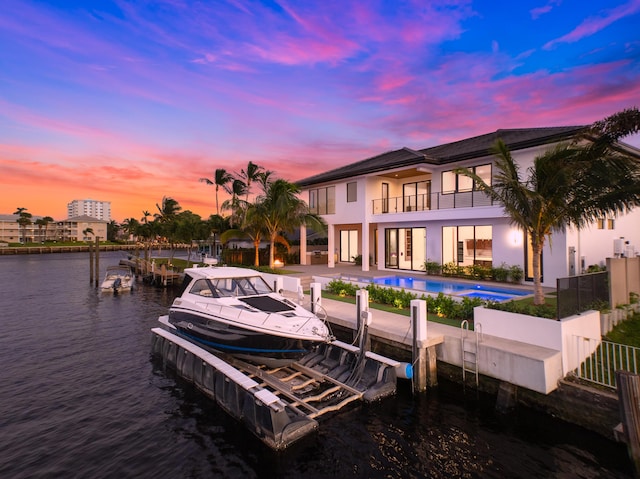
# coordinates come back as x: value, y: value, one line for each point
x: 96, y: 209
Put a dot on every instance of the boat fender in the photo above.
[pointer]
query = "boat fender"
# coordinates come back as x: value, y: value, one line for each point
x: 404, y: 370
x: 189, y: 326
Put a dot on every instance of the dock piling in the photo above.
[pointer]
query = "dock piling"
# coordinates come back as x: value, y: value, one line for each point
x: 424, y: 358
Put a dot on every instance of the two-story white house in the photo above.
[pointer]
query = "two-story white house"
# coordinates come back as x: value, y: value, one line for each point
x: 404, y: 207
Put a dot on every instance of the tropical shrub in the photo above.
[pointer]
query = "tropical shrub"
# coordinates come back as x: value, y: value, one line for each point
x: 342, y: 288
x: 516, y: 273
x: 501, y: 273
x: 540, y: 311
x: 432, y: 267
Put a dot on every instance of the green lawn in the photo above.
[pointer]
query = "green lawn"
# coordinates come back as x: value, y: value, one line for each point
x: 391, y: 309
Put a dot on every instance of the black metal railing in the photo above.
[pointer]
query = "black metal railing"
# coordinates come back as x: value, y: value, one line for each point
x: 431, y: 201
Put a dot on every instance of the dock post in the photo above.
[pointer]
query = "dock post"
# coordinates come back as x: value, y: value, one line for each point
x: 90, y: 263
x: 97, y: 252
x: 278, y: 285
x: 628, y: 387
x: 424, y: 360
x: 362, y: 306
x: 316, y: 296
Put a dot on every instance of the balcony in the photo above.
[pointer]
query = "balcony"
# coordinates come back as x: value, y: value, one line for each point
x: 431, y: 201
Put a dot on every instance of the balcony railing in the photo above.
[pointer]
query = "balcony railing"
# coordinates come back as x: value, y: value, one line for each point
x: 432, y: 201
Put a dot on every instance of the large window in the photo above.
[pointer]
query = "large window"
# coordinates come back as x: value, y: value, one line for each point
x: 406, y: 248
x: 322, y: 201
x: 454, y: 183
x: 467, y: 245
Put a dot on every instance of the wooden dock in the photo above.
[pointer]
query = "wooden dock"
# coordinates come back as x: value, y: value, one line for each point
x: 152, y: 273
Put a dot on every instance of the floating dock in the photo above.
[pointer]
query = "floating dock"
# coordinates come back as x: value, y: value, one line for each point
x: 281, y: 405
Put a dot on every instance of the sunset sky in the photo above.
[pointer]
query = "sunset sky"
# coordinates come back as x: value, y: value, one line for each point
x: 129, y: 101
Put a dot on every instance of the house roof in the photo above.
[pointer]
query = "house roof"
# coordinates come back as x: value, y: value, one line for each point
x: 477, y: 146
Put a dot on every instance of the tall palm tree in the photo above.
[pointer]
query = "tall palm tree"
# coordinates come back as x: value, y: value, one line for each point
x: 571, y: 184
x: 221, y: 178
x: 251, y: 174
x: 281, y: 210
x: 235, y: 204
x: 145, y: 215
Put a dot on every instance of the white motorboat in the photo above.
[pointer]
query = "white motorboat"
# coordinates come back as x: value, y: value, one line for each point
x: 234, y: 311
x: 117, y: 279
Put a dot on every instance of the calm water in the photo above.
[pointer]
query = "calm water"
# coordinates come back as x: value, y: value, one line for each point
x: 81, y: 397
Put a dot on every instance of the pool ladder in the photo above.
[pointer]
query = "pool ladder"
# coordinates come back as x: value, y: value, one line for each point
x: 469, y: 348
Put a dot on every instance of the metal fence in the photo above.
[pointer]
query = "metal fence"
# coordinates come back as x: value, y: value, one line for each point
x: 577, y: 294
x: 599, y: 360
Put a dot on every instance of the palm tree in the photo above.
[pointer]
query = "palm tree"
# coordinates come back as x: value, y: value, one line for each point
x: 569, y: 185
x: 131, y: 226
x: 87, y: 231
x: 221, y: 178
x: 46, y: 220
x: 235, y: 204
x: 252, y: 229
x: 145, y: 215
x: 167, y: 210
x: 40, y: 222
x: 24, y: 220
x: 282, y: 210
x: 252, y: 173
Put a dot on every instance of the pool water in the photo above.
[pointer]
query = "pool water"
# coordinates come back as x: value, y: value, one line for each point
x: 485, y: 292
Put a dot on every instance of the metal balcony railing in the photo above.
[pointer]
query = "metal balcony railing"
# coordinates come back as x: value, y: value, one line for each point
x: 431, y: 201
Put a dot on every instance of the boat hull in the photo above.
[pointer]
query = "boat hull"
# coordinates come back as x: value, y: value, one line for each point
x: 256, y: 346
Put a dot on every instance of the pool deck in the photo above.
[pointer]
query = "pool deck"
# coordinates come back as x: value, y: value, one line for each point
x: 533, y: 367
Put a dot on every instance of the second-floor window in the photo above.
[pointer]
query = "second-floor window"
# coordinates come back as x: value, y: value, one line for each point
x: 322, y: 201
x: 453, y: 183
x: 417, y: 196
x: 352, y: 192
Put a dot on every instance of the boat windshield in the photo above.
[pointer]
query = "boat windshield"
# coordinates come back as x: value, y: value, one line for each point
x: 249, y: 286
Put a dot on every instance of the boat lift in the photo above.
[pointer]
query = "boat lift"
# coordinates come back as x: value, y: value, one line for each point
x: 281, y: 405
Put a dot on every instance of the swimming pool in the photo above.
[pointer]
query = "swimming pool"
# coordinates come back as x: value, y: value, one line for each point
x: 470, y: 290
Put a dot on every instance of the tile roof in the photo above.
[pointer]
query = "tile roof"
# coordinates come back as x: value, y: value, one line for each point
x: 476, y: 146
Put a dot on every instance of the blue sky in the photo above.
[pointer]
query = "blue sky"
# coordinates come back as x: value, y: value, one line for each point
x: 131, y: 101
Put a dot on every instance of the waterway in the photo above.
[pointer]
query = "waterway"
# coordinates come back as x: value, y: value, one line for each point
x: 82, y: 397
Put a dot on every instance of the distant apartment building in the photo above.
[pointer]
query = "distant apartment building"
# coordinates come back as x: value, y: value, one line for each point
x: 96, y: 209
x: 71, y: 229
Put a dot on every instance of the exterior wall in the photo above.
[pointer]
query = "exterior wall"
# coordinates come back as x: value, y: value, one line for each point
x: 547, y: 333
x: 595, y: 245
x: 508, y: 245
x: 96, y: 209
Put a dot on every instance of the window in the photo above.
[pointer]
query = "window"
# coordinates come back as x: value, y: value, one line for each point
x: 322, y: 201
x: 601, y: 223
x: 417, y: 196
x: 348, y: 246
x: 453, y: 183
x: 406, y: 248
x: 352, y: 192
x: 611, y: 224
x: 385, y: 197
x: 467, y: 245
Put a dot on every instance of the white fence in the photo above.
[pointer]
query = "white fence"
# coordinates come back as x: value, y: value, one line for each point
x: 603, y: 359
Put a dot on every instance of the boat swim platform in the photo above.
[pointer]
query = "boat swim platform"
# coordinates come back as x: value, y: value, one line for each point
x: 281, y: 405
